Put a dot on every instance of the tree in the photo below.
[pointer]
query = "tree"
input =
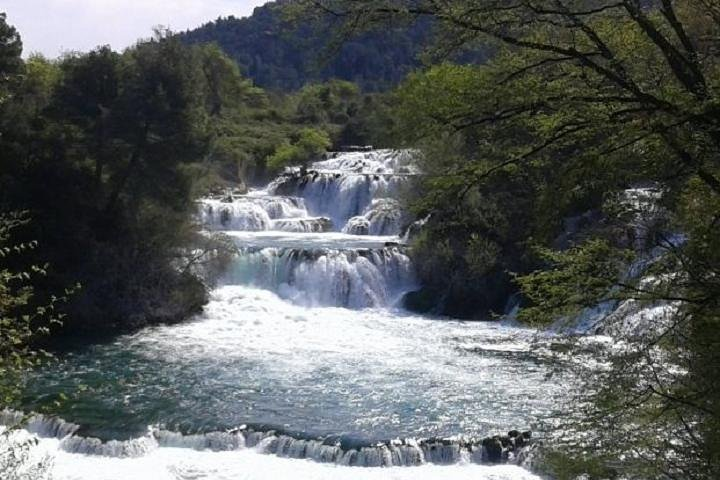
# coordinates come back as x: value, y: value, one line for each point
x: 10, y: 62
x: 100, y: 148
x: 22, y: 315
x: 310, y: 143
x: 581, y: 100
x: 281, y: 55
x: 23, y: 318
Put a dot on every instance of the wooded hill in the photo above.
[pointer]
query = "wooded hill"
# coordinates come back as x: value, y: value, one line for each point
x: 280, y: 55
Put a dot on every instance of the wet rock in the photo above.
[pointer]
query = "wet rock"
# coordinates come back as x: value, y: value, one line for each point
x: 493, y: 449
x: 522, y: 440
x: 420, y: 301
x: 225, y: 217
x: 326, y: 225
x: 357, y: 226
x: 516, y: 439
x: 240, y: 189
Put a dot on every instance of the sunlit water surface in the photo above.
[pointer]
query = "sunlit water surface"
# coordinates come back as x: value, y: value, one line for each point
x: 302, y: 338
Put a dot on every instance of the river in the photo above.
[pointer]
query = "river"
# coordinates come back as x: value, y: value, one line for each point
x: 303, y: 365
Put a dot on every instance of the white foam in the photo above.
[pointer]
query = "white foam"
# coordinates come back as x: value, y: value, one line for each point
x: 326, y: 277
x: 249, y: 464
x: 384, y: 216
x: 346, y: 185
x: 310, y: 241
x: 374, y: 161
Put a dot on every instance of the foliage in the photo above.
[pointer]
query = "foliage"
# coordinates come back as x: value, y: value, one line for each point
x: 575, y: 278
x: 485, y: 222
x: 309, y: 145
x: 99, y: 147
x: 23, y: 317
x: 280, y: 55
x: 256, y: 126
x: 581, y: 101
x: 10, y: 62
x: 349, y: 116
x: 329, y: 103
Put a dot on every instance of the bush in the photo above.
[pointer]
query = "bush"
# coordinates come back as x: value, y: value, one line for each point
x: 310, y: 144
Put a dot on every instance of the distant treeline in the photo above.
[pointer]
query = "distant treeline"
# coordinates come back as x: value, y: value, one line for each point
x: 281, y: 55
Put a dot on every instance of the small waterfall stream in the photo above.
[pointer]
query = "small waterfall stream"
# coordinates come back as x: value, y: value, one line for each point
x: 302, y: 364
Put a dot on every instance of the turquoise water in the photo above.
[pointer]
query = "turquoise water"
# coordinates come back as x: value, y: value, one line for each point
x: 302, y: 352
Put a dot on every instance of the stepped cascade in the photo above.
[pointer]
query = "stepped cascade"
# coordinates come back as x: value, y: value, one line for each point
x: 303, y: 362
x: 341, y: 224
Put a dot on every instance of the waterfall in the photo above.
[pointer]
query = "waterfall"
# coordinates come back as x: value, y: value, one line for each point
x: 352, y: 185
x: 331, y: 449
x: 356, y: 193
x: 384, y: 216
x: 342, y: 196
x: 308, y: 225
x: 352, y: 193
x: 399, y: 162
x: 248, y: 213
x: 326, y: 277
x: 302, y: 338
x: 634, y: 318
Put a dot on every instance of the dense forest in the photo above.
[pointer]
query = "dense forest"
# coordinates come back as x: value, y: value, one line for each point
x: 527, y: 161
x: 281, y: 55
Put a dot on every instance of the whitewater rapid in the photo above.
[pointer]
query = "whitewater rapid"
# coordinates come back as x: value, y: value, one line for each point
x: 246, y: 464
x: 303, y: 365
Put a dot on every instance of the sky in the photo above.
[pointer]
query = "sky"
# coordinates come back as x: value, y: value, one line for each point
x: 51, y: 27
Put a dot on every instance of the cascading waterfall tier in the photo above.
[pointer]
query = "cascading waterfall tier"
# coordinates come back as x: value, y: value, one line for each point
x: 299, y: 225
x: 342, y: 197
x: 355, y: 278
x: 352, y: 186
x: 353, y: 194
x: 384, y: 216
x: 342, y: 451
x: 253, y: 213
x: 346, y: 452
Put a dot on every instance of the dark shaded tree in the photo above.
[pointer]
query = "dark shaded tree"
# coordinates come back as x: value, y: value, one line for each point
x: 99, y: 148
